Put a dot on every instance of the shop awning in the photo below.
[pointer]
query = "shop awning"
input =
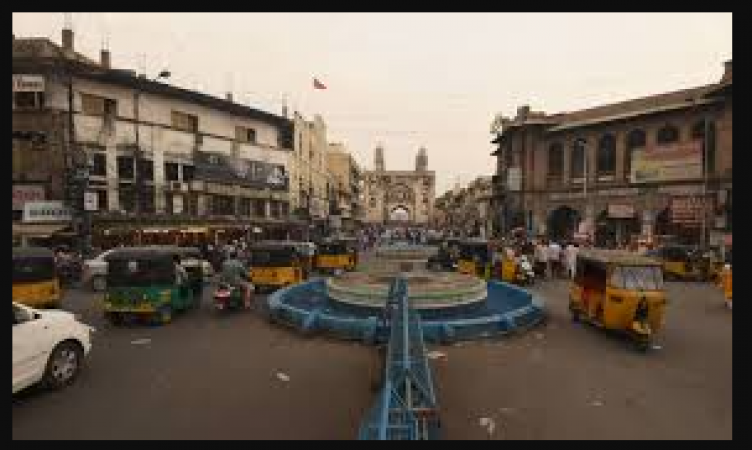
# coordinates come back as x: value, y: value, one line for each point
x: 42, y: 229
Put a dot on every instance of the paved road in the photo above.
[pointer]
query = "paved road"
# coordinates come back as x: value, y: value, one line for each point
x: 568, y: 381
x: 209, y: 377
x: 204, y: 377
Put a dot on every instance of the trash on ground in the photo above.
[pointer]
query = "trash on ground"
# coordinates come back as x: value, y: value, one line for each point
x: 488, y: 423
x: 143, y: 341
x: 283, y: 376
x: 596, y: 403
x: 656, y: 347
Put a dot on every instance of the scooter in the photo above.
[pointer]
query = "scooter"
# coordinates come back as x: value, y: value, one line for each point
x: 229, y: 297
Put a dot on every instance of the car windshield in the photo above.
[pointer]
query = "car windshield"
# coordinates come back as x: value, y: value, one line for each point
x: 30, y: 269
x: 140, y: 272
x: 271, y: 258
x: 648, y: 278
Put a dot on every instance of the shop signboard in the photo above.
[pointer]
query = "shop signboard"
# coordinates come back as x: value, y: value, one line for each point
x: 514, y: 179
x: 23, y: 193
x: 244, y: 172
x: 28, y: 83
x: 670, y: 162
x: 45, y: 212
x: 688, y: 210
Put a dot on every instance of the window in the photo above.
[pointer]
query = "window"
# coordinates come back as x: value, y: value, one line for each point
x: 635, y: 139
x: 606, y: 160
x: 147, y: 199
x: 244, y: 207
x: 259, y: 209
x: 667, y: 135
x: 577, y: 166
x: 555, y: 160
x: 188, y: 173
x: 125, y: 197
x: 243, y: 134
x: 184, y: 122
x: 95, y: 105
x: 146, y: 169
x: 28, y: 100
x: 125, y: 167
x: 102, y: 200
x: 222, y: 205
x: 172, y: 171
x: 98, y: 164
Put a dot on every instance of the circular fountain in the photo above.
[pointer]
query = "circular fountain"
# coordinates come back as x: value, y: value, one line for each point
x: 452, y: 306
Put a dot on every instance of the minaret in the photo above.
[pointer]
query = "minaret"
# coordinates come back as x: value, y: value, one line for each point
x: 421, y: 161
x: 378, y: 158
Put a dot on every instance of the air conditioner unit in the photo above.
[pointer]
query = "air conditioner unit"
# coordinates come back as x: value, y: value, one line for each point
x: 178, y: 186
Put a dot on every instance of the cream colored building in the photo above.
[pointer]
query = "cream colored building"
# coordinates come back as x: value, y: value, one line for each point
x: 399, y: 196
x: 345, y: 181
x: 309, y: 179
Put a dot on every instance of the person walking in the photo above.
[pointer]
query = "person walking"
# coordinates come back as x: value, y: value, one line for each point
x: 554, y: 259
x: 541, y: 259
x: 571, y: 256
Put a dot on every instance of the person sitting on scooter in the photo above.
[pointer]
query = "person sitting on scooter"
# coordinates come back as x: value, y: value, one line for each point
x: 235, y: 273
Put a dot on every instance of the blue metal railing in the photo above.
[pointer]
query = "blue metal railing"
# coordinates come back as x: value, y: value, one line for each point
x: 406, y: 408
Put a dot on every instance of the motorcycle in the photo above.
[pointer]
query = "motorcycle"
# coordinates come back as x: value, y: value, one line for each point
x: 229, y: 297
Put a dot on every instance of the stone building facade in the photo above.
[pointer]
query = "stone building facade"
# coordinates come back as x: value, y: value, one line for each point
x: 405, y: 197
x: 641, y: 167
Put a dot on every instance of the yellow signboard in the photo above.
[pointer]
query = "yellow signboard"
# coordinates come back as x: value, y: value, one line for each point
x: 677, y: 161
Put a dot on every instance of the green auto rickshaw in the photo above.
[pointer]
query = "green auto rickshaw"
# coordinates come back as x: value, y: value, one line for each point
x: 145, y: 282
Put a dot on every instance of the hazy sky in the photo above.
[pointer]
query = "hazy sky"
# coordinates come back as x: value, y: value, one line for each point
x: 411, y: 80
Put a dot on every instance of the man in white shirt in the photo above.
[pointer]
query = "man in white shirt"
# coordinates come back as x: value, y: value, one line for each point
x: 571, y: 254
x: 541, y: 258
x: 554, y: 259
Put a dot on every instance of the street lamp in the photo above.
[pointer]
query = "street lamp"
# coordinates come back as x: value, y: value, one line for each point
x: 139, y: 153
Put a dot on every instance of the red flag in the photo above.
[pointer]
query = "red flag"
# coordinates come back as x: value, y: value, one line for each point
x: 318, y: 85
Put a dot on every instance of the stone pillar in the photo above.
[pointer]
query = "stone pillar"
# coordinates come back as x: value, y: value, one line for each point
x: 113, y: 200
x: 159, y: 183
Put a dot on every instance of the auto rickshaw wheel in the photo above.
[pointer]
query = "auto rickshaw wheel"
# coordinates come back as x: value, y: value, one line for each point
x: 163, y: 315
x: 642, y: 345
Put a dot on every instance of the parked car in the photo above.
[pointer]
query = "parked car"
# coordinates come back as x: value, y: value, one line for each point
x: 48, y: 346
x: 95, y: 269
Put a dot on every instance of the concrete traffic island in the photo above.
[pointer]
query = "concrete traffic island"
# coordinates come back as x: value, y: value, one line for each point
x: 452, y: 306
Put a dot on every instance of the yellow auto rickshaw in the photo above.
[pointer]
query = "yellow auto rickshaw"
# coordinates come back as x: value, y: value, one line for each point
x: 620, y: 291
x: 476, y: 257
x: 35, y: 278
x: 684, y: 263
x: 275, y: 264
x: 335, y: 255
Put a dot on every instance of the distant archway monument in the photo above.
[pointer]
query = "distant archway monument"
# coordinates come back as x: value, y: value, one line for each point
x: 399, y: 196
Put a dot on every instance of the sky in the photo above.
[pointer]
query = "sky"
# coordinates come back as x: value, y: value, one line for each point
x: 410, y: 80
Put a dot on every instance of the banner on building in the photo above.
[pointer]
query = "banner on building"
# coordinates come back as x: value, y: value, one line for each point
x: 688, y: 210
x: 45, y: 212
x: 28, y: 83
x: 677, y: 161
x: 244, y: 172
x: 23, y: 193
x: 91, y: 201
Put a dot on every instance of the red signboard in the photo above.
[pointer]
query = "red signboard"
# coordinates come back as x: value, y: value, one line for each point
x: 23, y: 193
x: 688, y: 210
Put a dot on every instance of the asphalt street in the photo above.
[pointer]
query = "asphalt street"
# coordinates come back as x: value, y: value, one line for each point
x: 210, y: 376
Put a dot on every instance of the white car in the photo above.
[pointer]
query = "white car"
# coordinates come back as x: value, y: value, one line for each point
x: 48, y: 346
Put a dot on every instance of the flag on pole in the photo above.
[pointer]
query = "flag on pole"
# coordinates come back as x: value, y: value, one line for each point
x: 317, y: 84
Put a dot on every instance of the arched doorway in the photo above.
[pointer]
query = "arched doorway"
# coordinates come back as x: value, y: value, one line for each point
x: 562, y: 223
x: 610, y: 230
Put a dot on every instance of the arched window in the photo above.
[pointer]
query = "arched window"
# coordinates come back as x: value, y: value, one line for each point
x: 636, y: 139
x: 555, y: 159
x: 667, y: 135
x: 577, y: 162
x: 606, y: 160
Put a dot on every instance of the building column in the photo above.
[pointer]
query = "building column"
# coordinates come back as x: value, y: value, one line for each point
x: 159, y: 183
x: 111, y: 176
